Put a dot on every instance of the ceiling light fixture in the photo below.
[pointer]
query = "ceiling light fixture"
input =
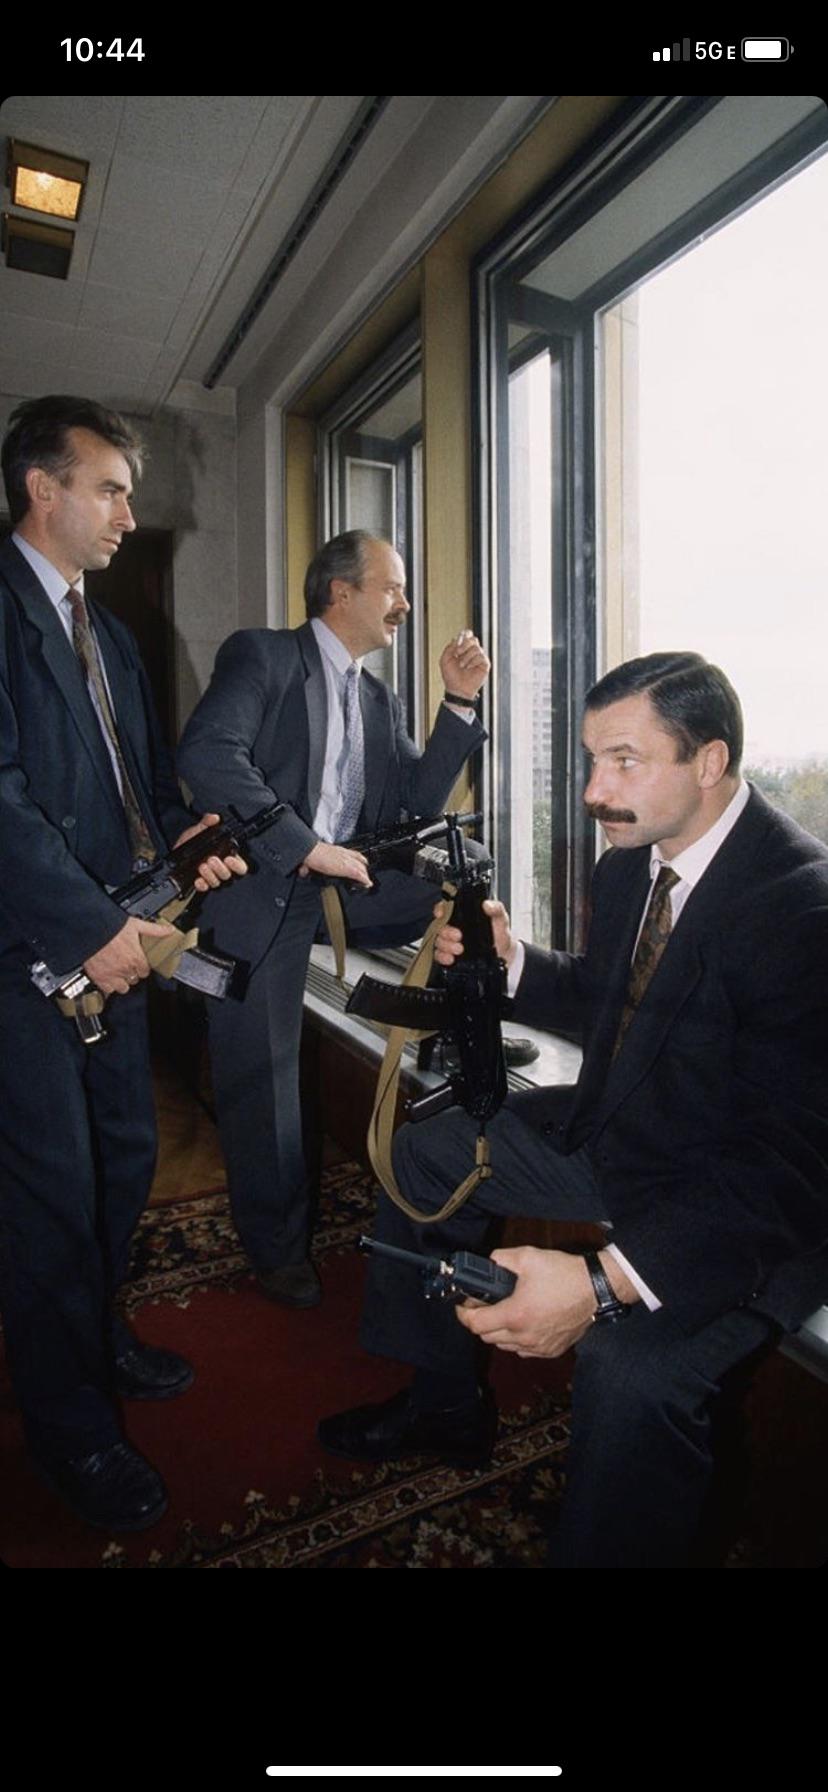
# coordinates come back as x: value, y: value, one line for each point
x: 42, y: 181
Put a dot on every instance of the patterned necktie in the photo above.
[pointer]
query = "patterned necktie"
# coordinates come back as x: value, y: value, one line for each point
x: 86, y: 648
x: 655, y: 933
x: 351, y: 763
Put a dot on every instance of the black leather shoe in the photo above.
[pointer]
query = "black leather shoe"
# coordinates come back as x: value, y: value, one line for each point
x: 293, y: 1284
x: 440, y: 1052
x: 114, y: 1489
x: 461, y: 1435
x: 144, y: 1373
x: 519, y: 1051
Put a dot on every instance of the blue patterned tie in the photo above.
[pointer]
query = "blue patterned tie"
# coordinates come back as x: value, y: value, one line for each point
x: 351, y: 763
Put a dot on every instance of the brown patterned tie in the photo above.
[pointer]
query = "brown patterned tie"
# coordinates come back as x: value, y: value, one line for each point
x: 86, y: 648
x: 652, y: 940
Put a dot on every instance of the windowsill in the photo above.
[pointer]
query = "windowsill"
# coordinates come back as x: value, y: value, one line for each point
x: 809, y: 1346
x: 558, y: 1060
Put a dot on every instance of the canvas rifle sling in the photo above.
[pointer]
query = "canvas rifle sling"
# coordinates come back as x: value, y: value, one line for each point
x: 381, y: 1125
x: 162, y: 953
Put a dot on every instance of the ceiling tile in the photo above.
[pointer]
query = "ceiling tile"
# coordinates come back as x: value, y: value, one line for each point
x: 34, y: 377
x: 34, y: 336
x: 196, y: 134
x: 155, y: 198
x: 127, y: 310
x: 33, y: 295
x: 151, y: 263
x: 71, y: 126
x: 128, y: 356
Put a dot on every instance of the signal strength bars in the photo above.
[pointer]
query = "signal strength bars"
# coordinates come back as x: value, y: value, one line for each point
x: 679, y: 52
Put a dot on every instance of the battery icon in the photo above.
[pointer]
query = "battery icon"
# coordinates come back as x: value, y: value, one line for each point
x: 765, y: 49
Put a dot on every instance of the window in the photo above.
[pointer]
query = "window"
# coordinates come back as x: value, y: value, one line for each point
x: 718, y: 364
x: 371, y: 449
x: 653, y: 372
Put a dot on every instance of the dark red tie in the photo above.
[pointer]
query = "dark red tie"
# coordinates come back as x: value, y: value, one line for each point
x: 86, y: 648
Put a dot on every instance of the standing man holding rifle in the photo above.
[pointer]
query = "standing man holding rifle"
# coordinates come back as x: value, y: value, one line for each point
x: 88, y: 798
x: 290, y: 715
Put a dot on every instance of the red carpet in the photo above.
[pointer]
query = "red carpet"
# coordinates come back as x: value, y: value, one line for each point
x: 249, y: 1485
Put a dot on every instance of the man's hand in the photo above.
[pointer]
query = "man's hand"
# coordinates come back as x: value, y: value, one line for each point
x: 121, y: 963
x: 336, y: 861
x: 464, y: 667
x: 214, y: 871
x: 552, y: 1305
x: 449, y: 942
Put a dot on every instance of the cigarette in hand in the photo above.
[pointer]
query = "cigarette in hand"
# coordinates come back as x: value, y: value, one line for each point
x: 464, y: 635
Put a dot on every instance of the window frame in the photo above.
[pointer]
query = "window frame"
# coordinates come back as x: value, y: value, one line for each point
x: 633, y: 140
x: 392, y: 370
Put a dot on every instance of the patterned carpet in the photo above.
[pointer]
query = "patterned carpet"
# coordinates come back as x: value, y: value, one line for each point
x: 249, y: 1485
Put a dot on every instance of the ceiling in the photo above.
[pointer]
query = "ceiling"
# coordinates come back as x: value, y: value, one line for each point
x: 176, y: 187
x: 189, y: 200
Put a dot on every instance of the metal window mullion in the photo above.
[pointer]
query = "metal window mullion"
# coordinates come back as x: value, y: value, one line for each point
x: 501, y: 595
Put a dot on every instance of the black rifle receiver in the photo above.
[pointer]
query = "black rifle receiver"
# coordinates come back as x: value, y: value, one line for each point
x: 458, y: 1277
x: 403, y: 846
x: 169, y: 879
x: 467, y: 1002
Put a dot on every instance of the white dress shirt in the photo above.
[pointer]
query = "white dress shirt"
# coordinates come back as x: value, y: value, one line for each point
x: 335, y: 662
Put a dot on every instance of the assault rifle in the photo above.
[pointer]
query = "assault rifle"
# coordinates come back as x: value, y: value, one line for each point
x: 167, y: 884
x: 468, y: 1002
x: 454, y: 1278
x: 407, y: 846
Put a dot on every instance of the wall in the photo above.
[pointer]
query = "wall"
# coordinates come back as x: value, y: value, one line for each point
x: 189, y: 487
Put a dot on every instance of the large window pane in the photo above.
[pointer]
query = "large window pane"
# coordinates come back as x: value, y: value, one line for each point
x: 718, y: 364
x: 529, y: 624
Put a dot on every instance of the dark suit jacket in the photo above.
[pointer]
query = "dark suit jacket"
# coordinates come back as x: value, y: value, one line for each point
x: 258, y: 736
x: 709, y: 1131
x: 62, y: 827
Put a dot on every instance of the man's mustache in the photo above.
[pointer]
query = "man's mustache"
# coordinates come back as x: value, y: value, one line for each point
x: 599, y: 812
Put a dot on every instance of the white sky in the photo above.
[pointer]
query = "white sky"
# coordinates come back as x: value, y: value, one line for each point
x: 734, y: 462
x: 733, y: 473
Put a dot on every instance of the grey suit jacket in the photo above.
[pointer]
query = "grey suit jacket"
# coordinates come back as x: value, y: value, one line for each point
x: 709, y: 1130
x: 258, y: 736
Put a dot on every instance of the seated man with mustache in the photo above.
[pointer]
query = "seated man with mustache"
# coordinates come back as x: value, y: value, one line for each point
x: 291, y: 716
x: 696, y: 1135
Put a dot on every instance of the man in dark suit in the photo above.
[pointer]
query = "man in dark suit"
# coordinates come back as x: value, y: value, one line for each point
x: 290, y: 714
x: 87, y: 795
x: 697, y: 1135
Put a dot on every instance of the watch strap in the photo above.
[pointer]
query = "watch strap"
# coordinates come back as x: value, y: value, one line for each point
x: 608, y: 1305
x: 468, y: 702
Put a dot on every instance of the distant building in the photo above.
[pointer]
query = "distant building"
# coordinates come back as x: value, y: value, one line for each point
x: 541, y: 724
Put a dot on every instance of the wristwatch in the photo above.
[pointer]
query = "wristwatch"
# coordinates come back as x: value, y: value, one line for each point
x: 609, y: 1306
x: 468, y: 702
